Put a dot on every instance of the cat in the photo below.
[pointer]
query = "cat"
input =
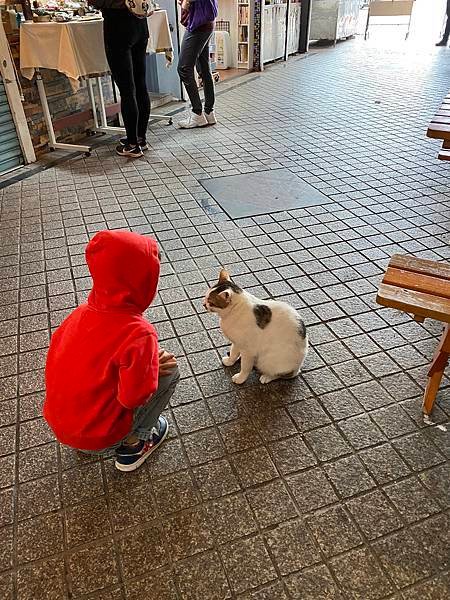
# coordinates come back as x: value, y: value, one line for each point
x: 266, y: 334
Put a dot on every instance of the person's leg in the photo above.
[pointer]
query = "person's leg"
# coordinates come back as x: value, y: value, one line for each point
x: 146, y: 417
x: 207, y: 79
x: 446, y: 34
x: 119, y: 37
x: 149, y: 428
x: 139, y: 57
x: 191, y: 47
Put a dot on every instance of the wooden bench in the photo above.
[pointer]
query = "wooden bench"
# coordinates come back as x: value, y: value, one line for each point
x: 439, y: 128
x: 422, y: 288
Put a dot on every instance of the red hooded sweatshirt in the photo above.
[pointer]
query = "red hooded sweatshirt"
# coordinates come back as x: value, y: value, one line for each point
x: 103, y: 359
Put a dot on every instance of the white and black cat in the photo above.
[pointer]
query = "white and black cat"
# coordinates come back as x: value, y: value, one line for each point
x: 266, y: 334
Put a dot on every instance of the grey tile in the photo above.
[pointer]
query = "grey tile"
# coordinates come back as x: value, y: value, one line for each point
x: 405, y: 559
x: 203, y: 446
x: 334, y: 531
x: 316, y: 583
x: 412, y: 500
x: 384, y: 464
x: 361, y: 432
x: 146, y: 542
x: 175, y: 492
x: 293, y: 547
x: 92, y: 568
x: 374, y: 514
x: 247, y: 564
x: 360, y: 576
x: 254, y: 466
x: 271, y: 503
x: 349, y: 476
x: 44, y: 580
x: 203, y: 578
x: 39, y: 537
x: 230, y: 518
x: 292, y: 455
x: 311, y: 490
x: 187, y: 533
x: 327, y: 443
x: 87, y: 522
x: 216, y: 479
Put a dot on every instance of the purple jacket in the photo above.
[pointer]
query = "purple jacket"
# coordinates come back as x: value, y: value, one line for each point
x: 201, y: 12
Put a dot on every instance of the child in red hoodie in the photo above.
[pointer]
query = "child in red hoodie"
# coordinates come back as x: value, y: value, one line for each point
x: 107, y: 381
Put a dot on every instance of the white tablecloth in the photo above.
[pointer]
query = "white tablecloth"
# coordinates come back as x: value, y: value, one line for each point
x: 76, y: 48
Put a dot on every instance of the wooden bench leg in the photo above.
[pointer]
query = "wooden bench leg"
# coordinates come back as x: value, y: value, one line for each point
x: 436, y: 371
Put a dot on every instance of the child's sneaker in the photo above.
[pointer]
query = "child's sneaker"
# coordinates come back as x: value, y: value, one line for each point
x: 129, y: 458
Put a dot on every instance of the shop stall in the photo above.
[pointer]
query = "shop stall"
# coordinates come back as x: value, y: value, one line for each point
x: 63, y: 40
x: 334, y: 20
x: 281, y: 29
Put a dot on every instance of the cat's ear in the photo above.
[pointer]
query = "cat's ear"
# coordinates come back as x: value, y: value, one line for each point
x: 223, y: 276
x: 224, y: 298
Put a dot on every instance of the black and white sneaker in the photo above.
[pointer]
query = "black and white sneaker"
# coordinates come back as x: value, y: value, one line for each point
x: 141, y: 141
x: 129, y: 151
x: 129, y: 458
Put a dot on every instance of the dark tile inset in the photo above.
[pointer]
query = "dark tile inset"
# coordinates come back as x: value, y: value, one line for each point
x: 39, y: 496
x: 132, y: 507
x: 412, y: 500
x: 418, y: 452
x: 262, y: 193
x: 6, y: 548
x: 293, y: 547
x: 247, y: 564
x: 433, y: 534
x: 203, y: 446
x: 436, y: 588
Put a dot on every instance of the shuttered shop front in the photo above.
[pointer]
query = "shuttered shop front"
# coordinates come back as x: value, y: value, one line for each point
x: 10, y: 151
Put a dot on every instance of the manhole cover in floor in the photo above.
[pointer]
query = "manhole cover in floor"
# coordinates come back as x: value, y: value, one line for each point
x: 261, y: 193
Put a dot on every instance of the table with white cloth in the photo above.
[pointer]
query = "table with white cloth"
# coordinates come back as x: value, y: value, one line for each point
x: 76, y: 49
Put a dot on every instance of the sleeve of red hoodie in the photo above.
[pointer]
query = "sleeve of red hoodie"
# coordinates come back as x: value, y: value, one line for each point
x: 138, y: 372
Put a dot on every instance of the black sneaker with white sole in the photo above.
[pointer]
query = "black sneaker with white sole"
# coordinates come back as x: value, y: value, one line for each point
x: 142, y: 143
x: 129, y: 151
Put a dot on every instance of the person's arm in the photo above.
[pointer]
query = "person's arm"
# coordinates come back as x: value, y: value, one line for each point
x: 138, y: 372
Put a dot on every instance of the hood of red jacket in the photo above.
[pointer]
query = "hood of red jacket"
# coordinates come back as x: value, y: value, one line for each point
x: 125, y: 270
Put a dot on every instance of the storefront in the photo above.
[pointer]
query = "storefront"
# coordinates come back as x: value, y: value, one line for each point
x: 15, y: 147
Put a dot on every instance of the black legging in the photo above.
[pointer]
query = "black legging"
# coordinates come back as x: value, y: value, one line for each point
x: 126, y: 39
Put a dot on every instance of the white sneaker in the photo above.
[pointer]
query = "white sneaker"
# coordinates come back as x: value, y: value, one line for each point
x: 193, y: 120
x: 211, y: 118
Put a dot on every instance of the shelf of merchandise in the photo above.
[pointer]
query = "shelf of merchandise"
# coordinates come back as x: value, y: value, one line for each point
x: 236, y: 13
x: 243, y: 22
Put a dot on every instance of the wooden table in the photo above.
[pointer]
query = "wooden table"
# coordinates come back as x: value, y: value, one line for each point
x: 421, y: 287
x: 439, y: 128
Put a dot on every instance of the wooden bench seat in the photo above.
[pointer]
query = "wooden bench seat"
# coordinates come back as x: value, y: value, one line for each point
x: 422, y: 288
x: 439, y: 128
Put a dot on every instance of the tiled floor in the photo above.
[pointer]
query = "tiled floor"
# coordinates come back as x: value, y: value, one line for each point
x: 328, y: 487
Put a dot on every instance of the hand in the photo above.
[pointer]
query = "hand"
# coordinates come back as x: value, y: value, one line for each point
x: 167, y: 363
x: 185, y: 4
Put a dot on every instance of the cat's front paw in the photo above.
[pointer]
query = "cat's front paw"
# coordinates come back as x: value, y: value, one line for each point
x: 226, y: 360
x: 239, y: 378
x: 266, y: 379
